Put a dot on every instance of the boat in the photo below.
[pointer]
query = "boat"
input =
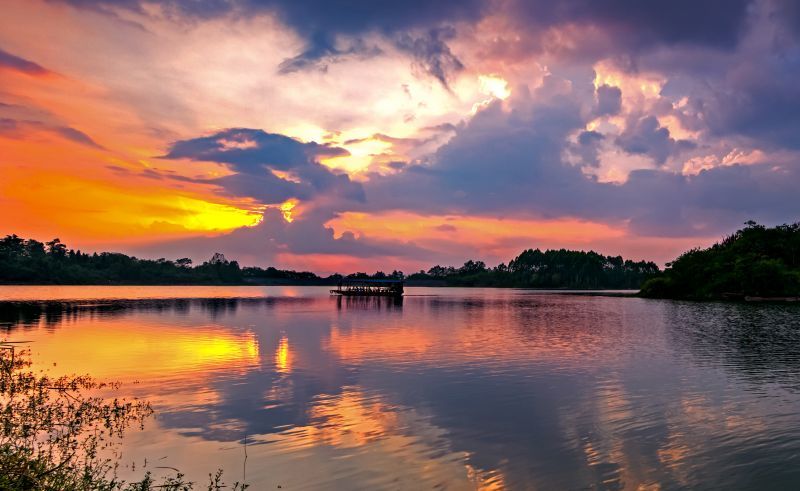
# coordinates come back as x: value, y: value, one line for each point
x: 369, y: 288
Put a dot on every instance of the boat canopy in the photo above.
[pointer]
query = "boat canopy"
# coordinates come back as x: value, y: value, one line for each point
x: 369, y: 287
x: 354, y: 281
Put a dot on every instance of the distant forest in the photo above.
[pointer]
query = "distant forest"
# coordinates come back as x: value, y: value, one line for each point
x: 755, y: 261
x: 28, y: 261
x: 549, y: 269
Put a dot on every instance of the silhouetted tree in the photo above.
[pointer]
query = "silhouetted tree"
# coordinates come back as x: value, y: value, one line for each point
x: 30, y: 261
x: 754, y: 261
x: 184, y: 262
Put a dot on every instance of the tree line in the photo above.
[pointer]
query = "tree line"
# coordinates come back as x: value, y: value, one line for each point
x: 754, y: 261
x: 549, y: 269
x: 31, y: 261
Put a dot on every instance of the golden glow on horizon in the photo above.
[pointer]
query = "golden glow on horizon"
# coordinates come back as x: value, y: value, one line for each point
x: 47, y: 190
x: 412, y: 226
x: 101, y: 209
x: 207, y: 216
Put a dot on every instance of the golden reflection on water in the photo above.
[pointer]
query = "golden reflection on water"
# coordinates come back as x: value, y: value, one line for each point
x: 387, y: 344
x: 283, y: 360
x: 120, y: 349
x: 131, y: 292
x: 352, y: 431
x: 349, y: 419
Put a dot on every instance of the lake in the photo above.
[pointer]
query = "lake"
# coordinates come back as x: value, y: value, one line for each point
x: 448, y: 388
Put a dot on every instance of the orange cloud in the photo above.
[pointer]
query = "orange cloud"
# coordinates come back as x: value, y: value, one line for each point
x: 65, y: 189
x: 497, y: 237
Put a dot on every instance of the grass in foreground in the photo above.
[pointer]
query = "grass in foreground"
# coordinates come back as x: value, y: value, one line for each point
x: 55, y: 435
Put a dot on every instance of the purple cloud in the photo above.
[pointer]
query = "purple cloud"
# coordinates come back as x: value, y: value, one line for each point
x: 7, y: 60
x: 255, y: 155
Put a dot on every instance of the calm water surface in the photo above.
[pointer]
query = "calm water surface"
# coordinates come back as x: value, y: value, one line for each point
x: 450, y: 388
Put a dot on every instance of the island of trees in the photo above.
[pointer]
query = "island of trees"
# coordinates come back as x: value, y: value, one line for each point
x: 27, y: 261
x: 755, y: 261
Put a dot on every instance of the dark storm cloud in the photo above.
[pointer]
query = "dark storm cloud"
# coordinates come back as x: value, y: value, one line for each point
x: 322, y: 50
x: 706, y: 22
x: 715, y: 201
x: 588, y: 147
x: 645, y: 136
x: 637, y: 24
x: 497, y: 162
x: 609, y: 100
x: 787, y: 12
x: 254, y: 154
x: 9, y: 61
x: 422, y: 28
x: 244, y: 148
x: 510, y: 163
x: 760, y: 101
x: 751, y: 92
x: 431, y: 52
x: 397, y: 165
x: 319, y: 22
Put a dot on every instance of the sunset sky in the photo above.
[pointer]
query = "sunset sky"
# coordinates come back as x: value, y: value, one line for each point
x: 363, y: 135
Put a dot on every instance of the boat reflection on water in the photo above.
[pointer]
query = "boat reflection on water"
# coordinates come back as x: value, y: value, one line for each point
x: 367, y: 302
x: 450, y: 388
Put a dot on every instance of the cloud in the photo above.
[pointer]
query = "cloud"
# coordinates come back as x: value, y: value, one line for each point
x: 700, y: 22
x: 307, y: 235
x: 588, y: 147
x: 14, y: 128
x: 77, y: 136
x: 760, y: 101
x: 749, y: 93
x: 609, y: 100
x: 432, y: 54
x: 245, y: 148
x: 258, y: 158
x: 645, y: 136
x: 322, y: 50
x: 446, y: 227
x: 12, y: 62
x: 497, y: 161
x: 508, y: 161
x: 630, y: 25
x: 322, y: 23
x: 787, y: 12
x: 8, y: 126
